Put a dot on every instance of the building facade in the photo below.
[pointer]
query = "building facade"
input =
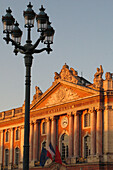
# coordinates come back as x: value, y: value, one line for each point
x: 73, y: 114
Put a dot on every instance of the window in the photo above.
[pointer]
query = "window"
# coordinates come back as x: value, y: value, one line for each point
x: 64, y: 146
x: 17, y: 134
x: 6, y: 157
x: 87, y: 146
x: 17, y: 156
x: 44, y: 127
x: 87, y: 120
x: 7, y: 136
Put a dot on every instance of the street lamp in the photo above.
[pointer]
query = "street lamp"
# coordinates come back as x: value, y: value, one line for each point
x: 46, y: 36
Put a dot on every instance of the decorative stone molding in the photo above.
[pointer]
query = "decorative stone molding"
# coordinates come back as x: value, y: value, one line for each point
x: 67, y: 74
x: 3, y: 115
x: 13, y: 112
x: 62, y: 95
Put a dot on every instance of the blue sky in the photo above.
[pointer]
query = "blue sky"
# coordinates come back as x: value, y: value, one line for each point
x: 83, y: 39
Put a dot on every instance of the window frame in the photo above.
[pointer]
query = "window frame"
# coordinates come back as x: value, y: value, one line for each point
x: 17, y: 134
x: 6, y: 157
x: 17, y: 153
x: 7, y: 136
x: 44, y: 128
x: 87, y: 151
x: 87, y: 120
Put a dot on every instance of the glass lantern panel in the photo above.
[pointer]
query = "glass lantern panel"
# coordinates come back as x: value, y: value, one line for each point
x: 29, y: 22
x: 48, y: 39
x: 8, y: 28
x: 42, y: 26
x: 17, y: 39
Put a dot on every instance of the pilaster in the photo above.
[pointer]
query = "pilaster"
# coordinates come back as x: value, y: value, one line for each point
x: 48, y: 131
x: 93, y: 132
x: 35, y: 141
x: 76, y: 134
x: 11, y: 145
x: 99, y: 133
x: 53, y: 131
x: 21, y: 143
x: 1, y: 147
x: 70, y: 134
x: 31, y: 142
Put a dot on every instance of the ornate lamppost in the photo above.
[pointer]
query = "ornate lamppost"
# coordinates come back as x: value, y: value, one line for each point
x: 11, y: 29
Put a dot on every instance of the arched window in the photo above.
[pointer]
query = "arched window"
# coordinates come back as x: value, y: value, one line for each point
x: 87, y: 120
x: 17, y: 156
x: 17, y: 134
x: 6, y: 157
x: 87, y: 145
x: 7, y: 136
x: 44, y: 128
x: 64, y: 146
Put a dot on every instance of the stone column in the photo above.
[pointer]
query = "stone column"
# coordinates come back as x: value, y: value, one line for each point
x: 31, y: 142
x: 93, y: 132
x: 76, y: 135
x: 21, y: 146
x: 53, y: 132
x: 1, y: 146
x: 48, y: 131
x: 35, y: 141
x: 21, y: 143
x: 70, y: 134
x: 99, y: 133
x: 11, y: 145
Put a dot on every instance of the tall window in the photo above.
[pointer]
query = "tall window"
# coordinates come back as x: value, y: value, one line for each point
x: 6, y: 157
x: 87, y: 146
x: 17, y: 134
x: 87, y: 120
x: 44, y: 127
x: 7, y: 136
x: 17, y: 156
x: 64, y: 146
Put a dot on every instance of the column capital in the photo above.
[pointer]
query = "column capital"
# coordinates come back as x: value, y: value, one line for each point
x: 47, y: 119
x: 22, y: 127
x: 36, y: 121
x: 69, y: 114
x: 11, y: 129
x: 1, y: 131
x: 75, y: 112
x: 31, y: 122
x: 99, y: 109
x: 52, y: 118
x: 92, y: 110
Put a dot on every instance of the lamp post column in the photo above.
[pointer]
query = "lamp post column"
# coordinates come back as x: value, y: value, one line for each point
x: 28, y: 63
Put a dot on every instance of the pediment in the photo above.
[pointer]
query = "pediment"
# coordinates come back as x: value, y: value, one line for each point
x: 63, y: 92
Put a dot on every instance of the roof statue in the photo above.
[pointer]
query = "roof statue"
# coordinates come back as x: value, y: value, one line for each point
x: 98, y: 77
x: 69, y: 75
x: 37, y: 94
x: 108, y: 76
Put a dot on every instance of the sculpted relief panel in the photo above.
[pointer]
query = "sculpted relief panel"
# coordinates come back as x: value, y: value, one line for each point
x: 62, y: 95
